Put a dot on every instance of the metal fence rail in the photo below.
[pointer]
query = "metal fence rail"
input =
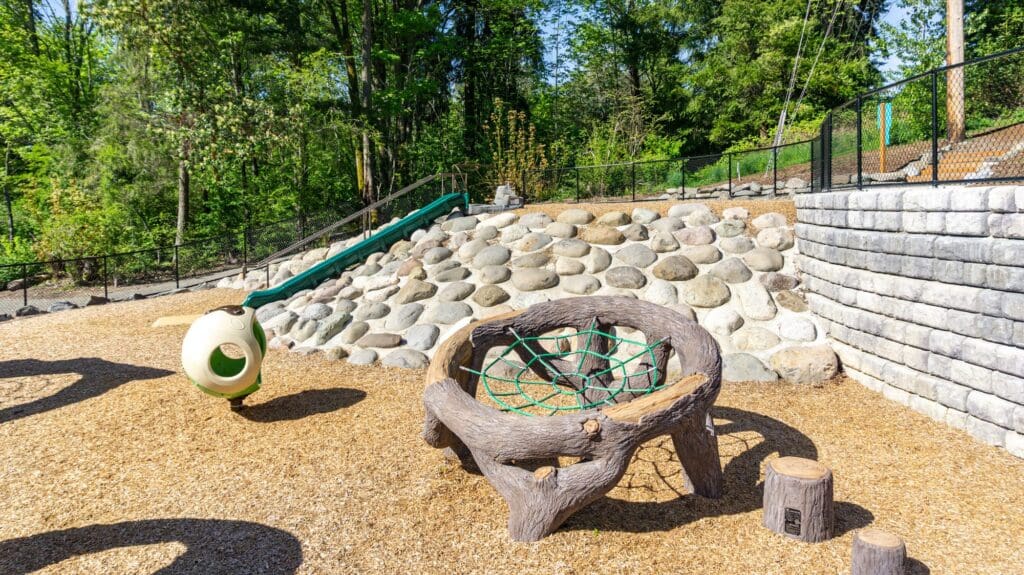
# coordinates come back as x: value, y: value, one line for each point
x: 760, y: 172
x: 962, y: 123
x: 140, y: 273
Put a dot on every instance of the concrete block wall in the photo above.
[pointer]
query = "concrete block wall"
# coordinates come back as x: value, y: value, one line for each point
x: 921, y: 290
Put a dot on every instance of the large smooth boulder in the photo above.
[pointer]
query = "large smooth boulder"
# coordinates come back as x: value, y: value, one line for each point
x: 536, y: 220
x: 756, y: 301
x: 708, y: 254
x: 448, y: 312
x: 597, y: 260
x: 697, y: 236
x: 626, y: 277
x: 494, y: 274
x: 741, y: 367
x: 490, y: 296
x: 491, y: 256
x: 806, y: 364
x: 406, y: 358
x: 798, y: 329
x: 422, y: 337
x: 602, y: 235
x: 581, y: 285
x: 636, y: 255
x: 754, y: 338
x: 404, y: 317
x: 575, y: 216
x: 415, y: 290
x: 661, y: 292
x: 572, y: 248
x: 644, y: 215
x: 775, y: 238
x: 613, y: 218
x: 532, y: 279
x: 763, y: 260
x: 706, y: 291
x: 675, y: 268
x: 731, y: 270
x: 457, y: 291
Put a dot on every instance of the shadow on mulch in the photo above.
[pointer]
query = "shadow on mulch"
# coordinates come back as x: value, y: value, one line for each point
x: 213, y: 546
x: 743, y: 490
x: 98, y: 376
x: 302, y: 404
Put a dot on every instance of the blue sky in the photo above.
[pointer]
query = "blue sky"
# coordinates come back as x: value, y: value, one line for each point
x: 894, y: 15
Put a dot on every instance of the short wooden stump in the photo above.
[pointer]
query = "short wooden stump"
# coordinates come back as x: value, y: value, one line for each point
x: 798, y: 499
x: 877, y: 552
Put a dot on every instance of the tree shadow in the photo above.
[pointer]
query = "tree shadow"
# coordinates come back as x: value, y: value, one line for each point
x: 743, y: 490
x: 98, y: 376
x: 214, y: 546
x: 302, y: 404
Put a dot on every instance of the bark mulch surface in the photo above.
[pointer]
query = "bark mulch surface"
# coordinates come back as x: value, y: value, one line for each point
x: 111, y: 462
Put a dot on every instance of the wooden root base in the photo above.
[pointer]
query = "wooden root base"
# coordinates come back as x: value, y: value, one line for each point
x: 515, y: 452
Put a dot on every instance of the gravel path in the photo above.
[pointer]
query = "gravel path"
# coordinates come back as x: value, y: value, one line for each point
x: 113, y: 463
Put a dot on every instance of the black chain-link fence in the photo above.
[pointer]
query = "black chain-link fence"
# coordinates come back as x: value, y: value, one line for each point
x: 955, y: 124
x: 762, y: 172
x: 60, y: 284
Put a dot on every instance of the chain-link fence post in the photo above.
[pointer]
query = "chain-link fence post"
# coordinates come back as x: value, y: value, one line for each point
x: 935, y: 127
x: 775, y: 171
x: 24, y: 284
x: 729, y: 157
x: 245, y: 251
x: 632, y: 177
x: 860, y: 136
x: 177, y: 263
x: 106, y: 279
x: 577, y: 170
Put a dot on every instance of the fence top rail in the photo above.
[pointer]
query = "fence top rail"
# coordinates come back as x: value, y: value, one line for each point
x: 674, y: 160
x: 933, y: 72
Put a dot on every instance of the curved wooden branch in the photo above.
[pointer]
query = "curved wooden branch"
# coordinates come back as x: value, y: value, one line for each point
x: 508, y: 447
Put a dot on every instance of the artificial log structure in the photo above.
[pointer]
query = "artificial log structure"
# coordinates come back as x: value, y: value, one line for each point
x: 515, y: 452
x: 798, y: 499
x: 877, y: 552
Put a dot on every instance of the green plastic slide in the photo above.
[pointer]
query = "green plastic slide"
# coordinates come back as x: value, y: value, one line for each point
x: 378, y: 242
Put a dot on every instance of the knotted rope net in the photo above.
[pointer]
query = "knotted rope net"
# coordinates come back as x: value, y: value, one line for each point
x: 590, y: 376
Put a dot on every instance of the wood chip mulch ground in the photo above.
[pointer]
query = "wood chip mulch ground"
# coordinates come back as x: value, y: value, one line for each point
x: 111, y: 462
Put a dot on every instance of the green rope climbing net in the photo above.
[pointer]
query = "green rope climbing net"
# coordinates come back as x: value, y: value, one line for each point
x: 508, y: 382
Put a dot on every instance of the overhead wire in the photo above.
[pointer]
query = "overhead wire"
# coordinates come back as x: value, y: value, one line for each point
x: 821, y: 47
x: 792, y: 78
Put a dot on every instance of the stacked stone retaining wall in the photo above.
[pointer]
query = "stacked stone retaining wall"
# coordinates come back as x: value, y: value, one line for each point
x: 922, y: 291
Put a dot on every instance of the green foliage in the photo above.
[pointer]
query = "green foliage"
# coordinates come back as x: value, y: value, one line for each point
x: 251, y: 112
x: 515, y: 151
x: 11, y: 253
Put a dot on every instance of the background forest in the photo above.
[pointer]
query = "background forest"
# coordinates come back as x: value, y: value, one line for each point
x: 135, y: 123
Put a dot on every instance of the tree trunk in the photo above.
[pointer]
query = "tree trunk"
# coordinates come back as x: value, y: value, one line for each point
x: 30, y: 25
x: 466, y: 30
x: 367, y: 103
x: 877, y: 552
x: 798, y: 499
x: 184, y: 184
x: 343, y: 34
x: 7, y: 194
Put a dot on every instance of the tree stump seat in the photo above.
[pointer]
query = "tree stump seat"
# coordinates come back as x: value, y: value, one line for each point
x: 518, y: 454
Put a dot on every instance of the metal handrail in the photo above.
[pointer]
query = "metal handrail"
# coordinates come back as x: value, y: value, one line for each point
x: 363, y: 212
